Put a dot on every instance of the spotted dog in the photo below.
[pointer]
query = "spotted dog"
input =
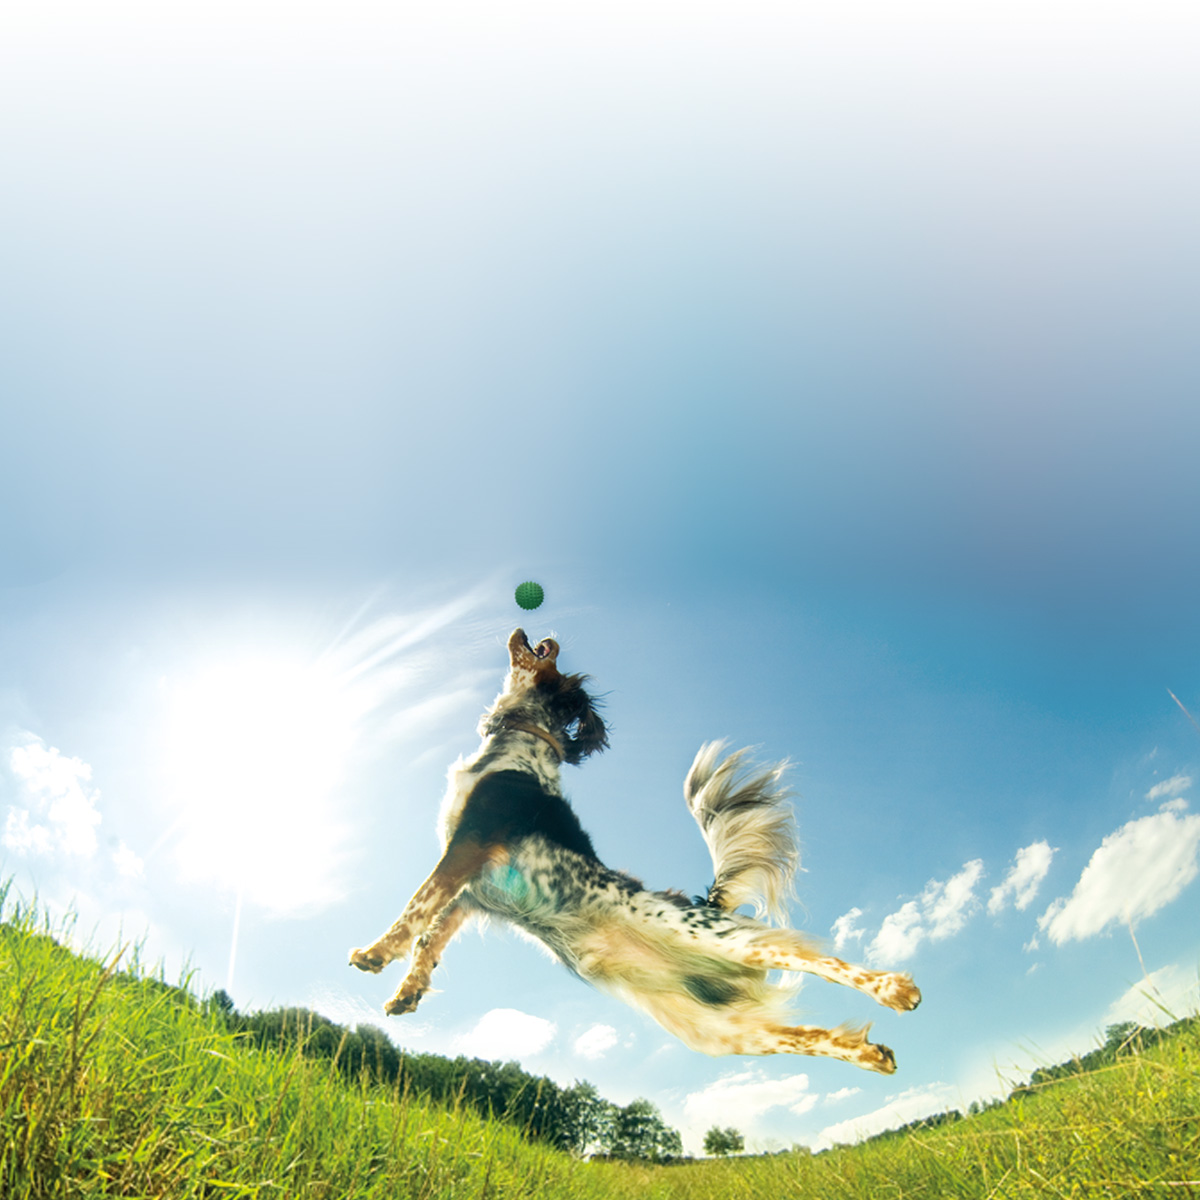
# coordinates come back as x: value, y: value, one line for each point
x: 513, y: 848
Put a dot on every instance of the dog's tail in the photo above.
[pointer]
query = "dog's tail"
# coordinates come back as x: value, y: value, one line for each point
x: 747, y: 823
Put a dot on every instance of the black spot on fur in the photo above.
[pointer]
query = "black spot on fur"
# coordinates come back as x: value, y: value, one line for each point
x: 703, y: 916
x: 709, y: 991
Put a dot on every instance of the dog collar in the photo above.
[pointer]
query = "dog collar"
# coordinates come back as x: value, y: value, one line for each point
x: 548, y: 738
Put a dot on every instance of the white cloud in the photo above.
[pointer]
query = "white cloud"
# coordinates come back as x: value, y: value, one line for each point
x: 127, y: 863
x: 941, y: 911
x: 60, y: 812
x: 844, y: 928
x: 506, y: 1033
x: 908, y: 1106
x: 1024, y: 877
x: 1170, y: 787
x: 1171, y: 988
x: 841, y: 1094
x: 1136, y: 871
x: 24, y: 838
x: 596, y: 1042
x: 741, y: 1099
x: 948, y: 906
x: 899, y: 935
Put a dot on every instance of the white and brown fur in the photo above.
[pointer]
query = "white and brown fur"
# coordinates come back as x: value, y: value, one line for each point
x: 513, y: 848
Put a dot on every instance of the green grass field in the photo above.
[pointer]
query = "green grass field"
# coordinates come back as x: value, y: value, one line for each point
x: 113, y: 1084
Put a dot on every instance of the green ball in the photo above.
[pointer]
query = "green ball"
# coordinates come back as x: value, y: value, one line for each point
x: 530, y: 594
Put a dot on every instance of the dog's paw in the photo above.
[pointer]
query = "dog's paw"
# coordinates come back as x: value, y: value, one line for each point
x: 877, y: 1058
x: 364, y: 960
x: 404, y: 1001
x: 899, y: 992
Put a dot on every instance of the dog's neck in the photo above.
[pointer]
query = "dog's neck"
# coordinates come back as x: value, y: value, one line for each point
x: 545, y: 735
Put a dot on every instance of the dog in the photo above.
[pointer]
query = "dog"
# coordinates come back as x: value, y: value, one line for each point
x: 513, y: 848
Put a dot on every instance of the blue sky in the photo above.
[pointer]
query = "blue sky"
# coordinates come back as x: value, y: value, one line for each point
x: 834, y: 372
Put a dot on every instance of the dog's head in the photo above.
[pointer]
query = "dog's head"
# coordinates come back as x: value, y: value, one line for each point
x: 537, y: 693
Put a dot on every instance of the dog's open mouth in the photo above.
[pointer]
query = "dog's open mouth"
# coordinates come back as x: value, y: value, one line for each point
x: 545, y: 649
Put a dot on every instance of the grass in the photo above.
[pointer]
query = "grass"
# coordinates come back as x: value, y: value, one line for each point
x: 1127, y: 1130
x: 113, y: 1084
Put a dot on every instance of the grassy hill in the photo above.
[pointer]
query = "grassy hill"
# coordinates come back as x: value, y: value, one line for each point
x: 1125, y: 1130
x: 112, y: 1084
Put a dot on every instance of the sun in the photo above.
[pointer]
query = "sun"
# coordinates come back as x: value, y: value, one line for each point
x: 256, y: 752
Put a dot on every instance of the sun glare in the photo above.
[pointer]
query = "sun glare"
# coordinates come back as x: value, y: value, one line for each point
x: 256, y: 750
x: 264, y: 739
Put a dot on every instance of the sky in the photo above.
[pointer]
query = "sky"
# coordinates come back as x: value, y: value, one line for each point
x: 832, y: 367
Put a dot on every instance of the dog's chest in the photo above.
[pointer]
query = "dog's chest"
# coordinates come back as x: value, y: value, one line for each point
x: 505, y: 807
x: 466, y: 775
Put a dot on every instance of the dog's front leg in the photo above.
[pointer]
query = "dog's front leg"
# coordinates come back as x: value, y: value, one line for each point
x: 426, y: 955
x: 459, y: 865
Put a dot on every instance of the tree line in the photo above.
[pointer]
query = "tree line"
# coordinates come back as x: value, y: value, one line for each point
x: 576, y: 1119
x: 1120, y: 1040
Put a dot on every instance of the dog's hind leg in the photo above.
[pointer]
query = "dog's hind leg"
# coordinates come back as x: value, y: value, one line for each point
x: 787, y: 951
x: 717, y: 1029
x: 459, y: 865
x: 427, y: 954
x: 848, y: 1043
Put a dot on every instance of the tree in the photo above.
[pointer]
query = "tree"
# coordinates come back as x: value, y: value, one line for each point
x: 222, y: 1001
x: 723, y: 1141
x: 640, y: 1132
x: 1118, y: 1037
x: 586, y: 1119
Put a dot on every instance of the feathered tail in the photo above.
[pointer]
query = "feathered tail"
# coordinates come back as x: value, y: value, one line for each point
x: 748, y: 827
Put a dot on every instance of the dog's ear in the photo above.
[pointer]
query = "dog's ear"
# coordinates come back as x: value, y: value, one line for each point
x: 589, y: 737
x: 583, y: 730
